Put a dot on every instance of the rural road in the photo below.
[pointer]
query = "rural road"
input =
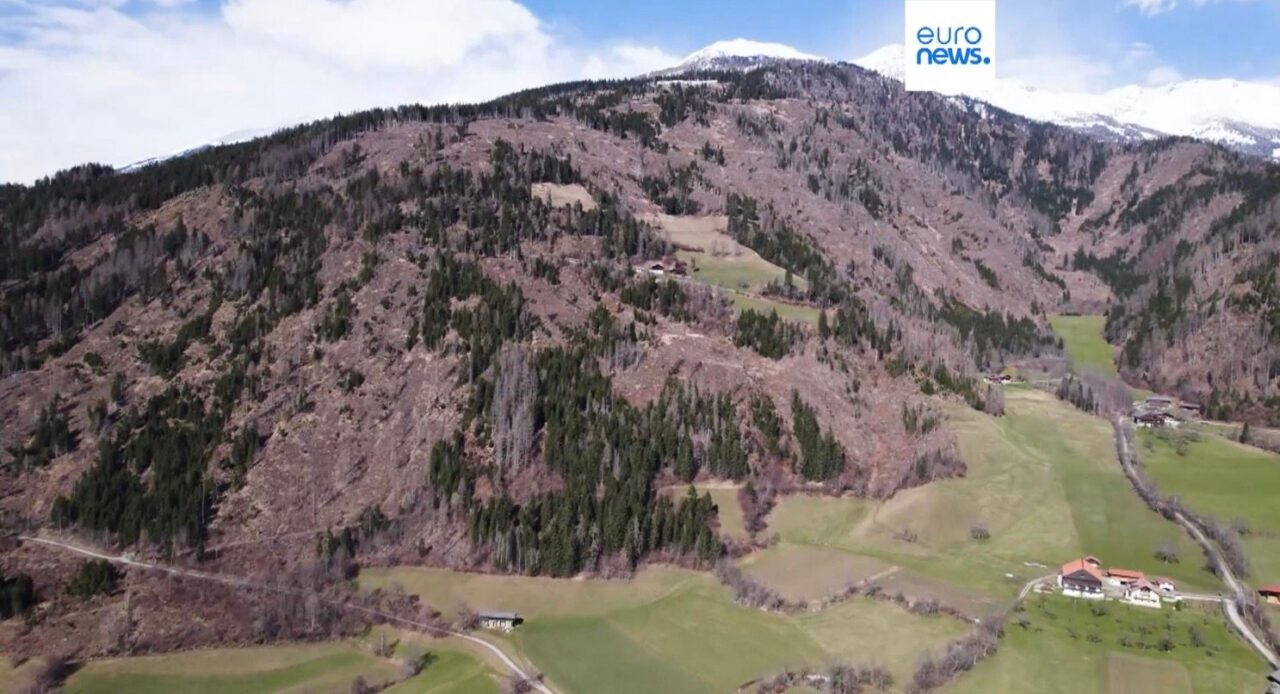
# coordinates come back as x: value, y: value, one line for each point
x: 238, y: 582
x: 1230, y: 605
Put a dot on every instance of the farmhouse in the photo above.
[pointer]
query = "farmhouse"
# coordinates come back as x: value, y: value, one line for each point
x: 1270, y: 593
x: 1081, y: 579
x: 1143, y: 594
x: 502, y: 621
x: 1152, y: 418
x: 1168, y: 589
x: 1124, y: 577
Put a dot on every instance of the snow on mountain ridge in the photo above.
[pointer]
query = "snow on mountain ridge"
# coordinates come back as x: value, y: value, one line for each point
x: 746, y: 48
x: 1239, y: 114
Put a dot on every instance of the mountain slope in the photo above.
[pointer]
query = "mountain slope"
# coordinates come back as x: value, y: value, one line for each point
x: 439, y: 335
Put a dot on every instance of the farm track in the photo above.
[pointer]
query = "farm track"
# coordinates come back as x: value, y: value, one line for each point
x: 239, y: 582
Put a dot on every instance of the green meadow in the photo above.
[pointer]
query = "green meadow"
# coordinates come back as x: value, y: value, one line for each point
x: 672, y: 630
x: 1065, y: 645
x: 1083, y: 341
x: 1225, y: 479
x: 329, y: 667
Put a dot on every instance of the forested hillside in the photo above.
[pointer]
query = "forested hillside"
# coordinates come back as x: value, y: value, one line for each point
x: 489, y: 337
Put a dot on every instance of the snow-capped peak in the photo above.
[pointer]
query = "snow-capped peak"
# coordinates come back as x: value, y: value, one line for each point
x: 738, y: 54
x: 1240, y: 114
x: 746, y: 48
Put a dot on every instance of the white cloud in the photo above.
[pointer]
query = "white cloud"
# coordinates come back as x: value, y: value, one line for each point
x: 1063, y: 72
x: 89, y: 82
x: 1152, y: 8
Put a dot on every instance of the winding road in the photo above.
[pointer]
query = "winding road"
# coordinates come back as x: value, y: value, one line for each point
x: 1231, y: 606
x: 239, y: 582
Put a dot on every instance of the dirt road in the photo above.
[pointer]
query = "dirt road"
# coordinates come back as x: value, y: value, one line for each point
x: 238, y: 582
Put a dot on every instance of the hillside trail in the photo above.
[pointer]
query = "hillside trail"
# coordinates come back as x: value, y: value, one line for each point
x: 240, y: 582
x: 1231, y: 606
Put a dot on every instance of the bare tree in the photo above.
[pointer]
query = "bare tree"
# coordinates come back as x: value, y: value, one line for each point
x: 513, y: 407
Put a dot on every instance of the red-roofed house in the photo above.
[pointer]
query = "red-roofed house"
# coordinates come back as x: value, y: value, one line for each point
x: 1142, y: 593
x: 1081, y: 579
x: 1270, y: 593
x: 1125, y: 577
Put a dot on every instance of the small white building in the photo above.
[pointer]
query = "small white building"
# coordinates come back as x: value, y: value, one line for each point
x: 1143, y: 594
x: 499, y: 621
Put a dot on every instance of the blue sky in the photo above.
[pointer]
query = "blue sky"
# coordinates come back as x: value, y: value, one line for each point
x: 121, y: 80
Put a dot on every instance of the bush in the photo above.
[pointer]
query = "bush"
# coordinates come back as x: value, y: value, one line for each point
x: 94, y: 577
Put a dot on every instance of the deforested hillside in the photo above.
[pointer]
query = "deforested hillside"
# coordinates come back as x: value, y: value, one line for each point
x: 486, y: 337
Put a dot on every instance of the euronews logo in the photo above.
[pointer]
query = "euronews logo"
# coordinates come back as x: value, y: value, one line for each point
x: 955, y: 46
x: 950, y: 45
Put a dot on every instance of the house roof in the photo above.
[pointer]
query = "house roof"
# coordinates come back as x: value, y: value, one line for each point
x: 1126, y: 573
x: 1142, y: 584
x: 1161, y: 579
x: 1093, y: 560
x: 511, y: 616
x: 1080, y: 565
x: 1273, y: 589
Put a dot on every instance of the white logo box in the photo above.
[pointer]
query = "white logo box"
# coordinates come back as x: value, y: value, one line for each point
x: 950, y: 45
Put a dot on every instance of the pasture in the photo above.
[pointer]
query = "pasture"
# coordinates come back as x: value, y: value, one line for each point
x: 307, y: 667
x: 791, y: 312
x: 1218, y: 477
x: 1065, y: 645
x: 673, y: 630
x: 1084, y: 344
x: 1042, y: 481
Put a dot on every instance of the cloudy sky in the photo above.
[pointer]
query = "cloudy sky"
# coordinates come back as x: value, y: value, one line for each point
x: 116, y: 81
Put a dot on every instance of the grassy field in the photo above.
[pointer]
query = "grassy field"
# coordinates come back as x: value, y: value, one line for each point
x: 449, y: 672
x: 803, y: 572
x: 791, y: 312
x: 1067, y: 647
x: 1043, y: 481
x: 745, y: 271
x: 673, y: 630
x: 1224, y: 479
x: 310, y: 667
x: 1082, y: 338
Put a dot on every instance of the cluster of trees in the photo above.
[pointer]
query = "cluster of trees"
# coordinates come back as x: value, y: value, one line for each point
x: 1073, y: 390
x: 781, y: 245
x: 666, y: 298
x: 992, y: 333
x: 959, y: 657
x: 672, y: 192
x: 768, y: 335
x: 608, y: 453
x: 17, y: 595
x: 51, y: 437
x: 149, y: 477
x: 93, y: 577
x: 822, y: 457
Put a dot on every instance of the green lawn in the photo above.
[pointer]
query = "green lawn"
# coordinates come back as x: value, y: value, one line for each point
x: 1082, y: 338
x: 449, y: 672
x: 791, y: 312
x: 1043, y: 480
x: 1224, y: 479
x: 673, y: 630
x: 747, y: 272
x: 1066, y: 647
x: 310, y: 667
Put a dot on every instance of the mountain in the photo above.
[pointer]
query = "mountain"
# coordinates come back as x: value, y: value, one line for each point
x: 738, y: 54
x: 489, y: 336
x: 1242, y: 115
x: 228, y: 139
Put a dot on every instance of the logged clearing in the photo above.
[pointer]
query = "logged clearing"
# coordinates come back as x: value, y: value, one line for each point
x: 1224, y: 479
x: 565, y: 194
x: 1082, y: 338
x: 318, y: 667
x: 706, y: 233
x: 1042, y: 480
x: 1071, y: 646
x: 673, y: 630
